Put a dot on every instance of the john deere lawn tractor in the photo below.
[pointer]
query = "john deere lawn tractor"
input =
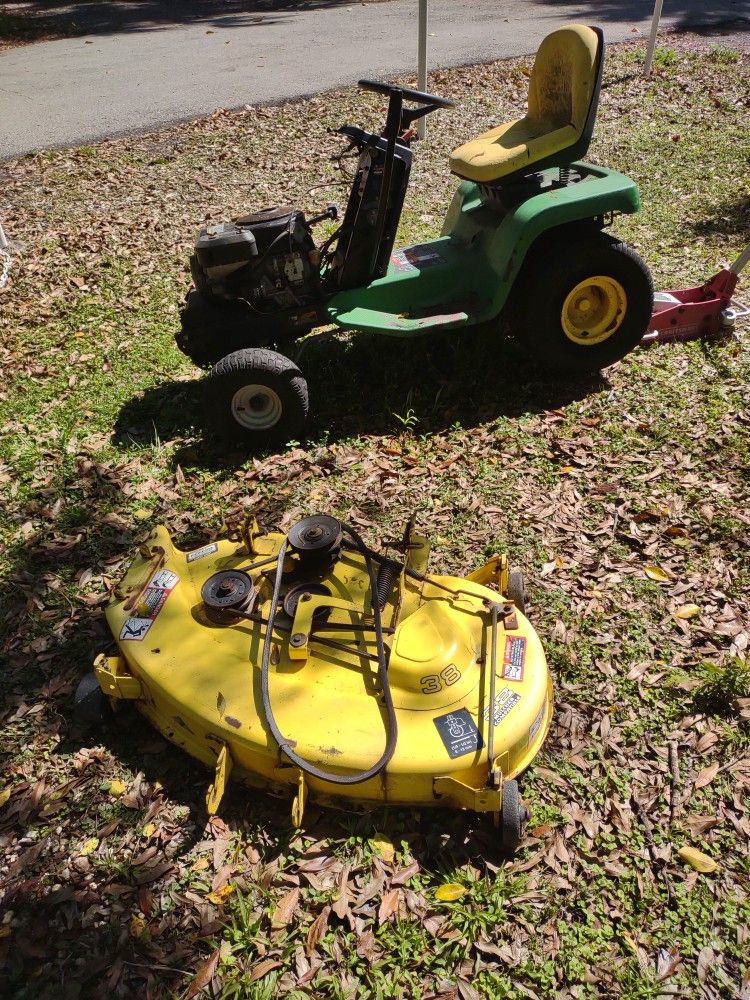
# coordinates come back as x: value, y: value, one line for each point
x: 524, y: 239
x: 309, y: 664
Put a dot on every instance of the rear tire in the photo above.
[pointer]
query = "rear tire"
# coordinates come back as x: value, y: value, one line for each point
x: 516, y: 591
x: 257, y: 398
x: 581, y: 303
x: 92, y: 706
x: 512, y: 818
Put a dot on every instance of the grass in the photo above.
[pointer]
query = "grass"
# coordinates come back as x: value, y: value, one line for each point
x: 585, y: 486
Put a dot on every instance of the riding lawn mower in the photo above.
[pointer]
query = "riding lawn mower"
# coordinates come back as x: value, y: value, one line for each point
x: 524, y: 238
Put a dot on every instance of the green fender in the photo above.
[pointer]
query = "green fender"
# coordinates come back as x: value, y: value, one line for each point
x: 506, y: 236
x: 465, y: 276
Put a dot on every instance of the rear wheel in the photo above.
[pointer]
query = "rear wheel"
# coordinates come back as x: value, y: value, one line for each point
x: 512, y: 817
x: 257, y: 397
x: 581, y: 303
x: 92, y: 706
x: 516, y: 591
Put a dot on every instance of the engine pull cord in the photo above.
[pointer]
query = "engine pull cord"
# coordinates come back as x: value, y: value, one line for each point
x: 286, y: 744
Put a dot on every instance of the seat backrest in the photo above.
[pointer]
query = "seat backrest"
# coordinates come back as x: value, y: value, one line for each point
x: 566, y: 79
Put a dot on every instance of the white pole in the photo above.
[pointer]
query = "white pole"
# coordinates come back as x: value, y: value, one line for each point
x: 422, y: 61
x: 652, y: 40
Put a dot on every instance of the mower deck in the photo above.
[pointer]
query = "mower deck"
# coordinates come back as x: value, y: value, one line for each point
x: 196, y: 671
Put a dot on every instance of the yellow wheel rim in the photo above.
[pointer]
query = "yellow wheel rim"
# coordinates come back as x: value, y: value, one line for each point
x: 594, y: 310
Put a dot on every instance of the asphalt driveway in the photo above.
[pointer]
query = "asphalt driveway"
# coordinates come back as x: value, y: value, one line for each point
x: 147, y: 64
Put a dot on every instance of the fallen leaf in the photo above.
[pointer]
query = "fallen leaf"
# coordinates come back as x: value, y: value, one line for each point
x: 666, y: 963
x: 219, y: 895
x: 686, y: 611
x: 203, y: 975
x: 200, y: 865
x: 388, y: 905
x: 449, y: 892
x: 697, y: 859
x: 403, y: 876
x: 706, y: 958
x: 263, y: 968
x: 342, y: 902
x: 137, y: 926
x: 285, y: 908
x: 380, y: 843
x: 317, y: 930
x: 706, y: 776
x: 90, y: 846
x: 4, y: 796
x: 658, y: 574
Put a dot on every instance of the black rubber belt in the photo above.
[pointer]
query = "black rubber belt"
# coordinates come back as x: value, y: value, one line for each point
x: 392, y: 726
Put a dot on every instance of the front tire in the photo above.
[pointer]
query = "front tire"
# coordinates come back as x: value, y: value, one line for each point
x: 257, y: 398
x: 581, y: 304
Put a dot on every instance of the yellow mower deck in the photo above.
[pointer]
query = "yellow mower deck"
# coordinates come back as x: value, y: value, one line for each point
x: 197, y: 679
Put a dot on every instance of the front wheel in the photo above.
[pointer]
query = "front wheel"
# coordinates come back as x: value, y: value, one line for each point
x: 579, y: 305
x: 257, y: 397
x: 512, y: 818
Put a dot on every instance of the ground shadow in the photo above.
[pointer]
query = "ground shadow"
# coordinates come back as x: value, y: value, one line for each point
x: 70, y: 18
x: 687, y: 14
x: 373, y: 385
x: 730, y: 218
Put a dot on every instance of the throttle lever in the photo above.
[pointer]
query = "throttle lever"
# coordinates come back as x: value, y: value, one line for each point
x: 332, y: 213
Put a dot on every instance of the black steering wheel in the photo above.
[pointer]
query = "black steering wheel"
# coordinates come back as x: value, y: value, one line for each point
x: 406, y: 92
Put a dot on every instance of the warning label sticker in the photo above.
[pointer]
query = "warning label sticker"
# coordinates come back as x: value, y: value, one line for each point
x: 513, y: 657
x: 165, y: 579
x: 150, y: 603
x: 416, y: 258
x: 202, y: 552
x: 136, y: 628
x: 458, y: 733
x: 504, y: 703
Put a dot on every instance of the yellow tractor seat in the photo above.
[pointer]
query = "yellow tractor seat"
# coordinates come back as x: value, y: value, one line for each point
x: 563, y: 97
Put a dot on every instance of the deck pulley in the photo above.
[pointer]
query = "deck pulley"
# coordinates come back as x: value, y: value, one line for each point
x: 228, y: 595
x: 316, y: 539
x: 293, y: 595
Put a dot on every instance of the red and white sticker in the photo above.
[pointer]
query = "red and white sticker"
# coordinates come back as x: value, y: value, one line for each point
x: 150, y: 603
x: 514, y: 657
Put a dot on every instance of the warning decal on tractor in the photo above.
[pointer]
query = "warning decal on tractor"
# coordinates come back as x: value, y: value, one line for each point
x: 458, y: 733
x: 416, y: 258
x: 513, y: 658
x: 150, y: 603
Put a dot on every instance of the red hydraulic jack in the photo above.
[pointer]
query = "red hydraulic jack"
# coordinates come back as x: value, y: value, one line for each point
x: 707, y: 310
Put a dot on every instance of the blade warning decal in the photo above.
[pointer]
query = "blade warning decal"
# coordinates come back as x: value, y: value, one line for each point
x: 513, y: 657
x: 151, y: 601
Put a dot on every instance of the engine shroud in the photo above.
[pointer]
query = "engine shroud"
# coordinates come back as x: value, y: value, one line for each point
x: 256, y: 281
